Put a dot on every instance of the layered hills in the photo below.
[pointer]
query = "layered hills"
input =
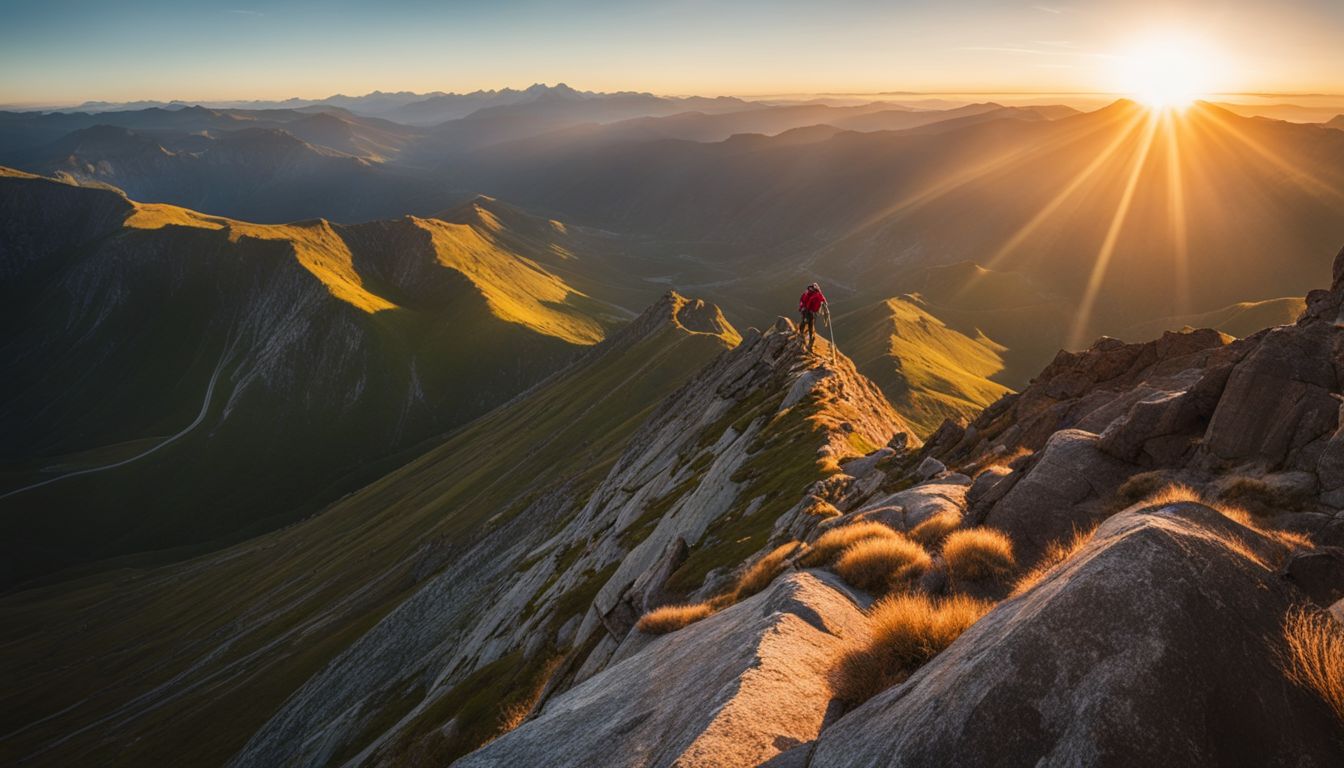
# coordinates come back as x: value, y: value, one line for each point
x: 178, y: 379
x: 1109, y: 215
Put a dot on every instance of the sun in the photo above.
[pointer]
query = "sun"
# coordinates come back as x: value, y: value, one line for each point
x: 1165, y: 73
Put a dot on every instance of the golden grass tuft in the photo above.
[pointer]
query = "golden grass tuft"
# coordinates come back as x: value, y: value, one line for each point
x: 978, y: 553
x: 1237, y: 514
x: 1287, y: 541
x: 1315, y: 658
x: 763, y: 571
x: 1174, y: 493
x: 931, y: 532
x: 670, y: 618
x: 1259, y: 497
x: 1141, y: 485
x: 1056, y: 552
x: 905, y: 631
x: 830, y: 544
x: 881, y: 564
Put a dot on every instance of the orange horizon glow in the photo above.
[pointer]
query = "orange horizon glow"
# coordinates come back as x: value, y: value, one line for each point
x: 278, y: 50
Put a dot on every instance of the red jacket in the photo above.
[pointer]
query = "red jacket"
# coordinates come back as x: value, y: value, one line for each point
x: 811, y: 301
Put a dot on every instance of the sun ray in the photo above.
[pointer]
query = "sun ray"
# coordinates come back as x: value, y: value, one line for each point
x: 1298, y: 175
x: 1001, y: 162
x: 1026, y: 230
x: 1107, y: 250
x: 1176, y: 212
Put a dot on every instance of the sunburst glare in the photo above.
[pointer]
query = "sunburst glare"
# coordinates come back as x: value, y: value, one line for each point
x: 1168, y: 72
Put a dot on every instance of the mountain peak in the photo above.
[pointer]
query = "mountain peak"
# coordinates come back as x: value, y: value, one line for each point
x: 694, y: 316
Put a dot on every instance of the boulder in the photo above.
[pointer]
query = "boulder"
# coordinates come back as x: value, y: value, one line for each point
x: 985, y: 481
x: 955, y: 478
x: 929, y: 467
x: 1330, y: 469
x: 1278, y: 399
x: 904, y: 510
x: 899, y: 442
x: 1066, y: 487
x: 1158, y: 644
x: 1156, y: 428
x: 866, y: 464
x: 1318, y: 574
x: 737, y: 688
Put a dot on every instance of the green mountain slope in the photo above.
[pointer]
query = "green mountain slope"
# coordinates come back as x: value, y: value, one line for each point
x: 251, y: 372
x: 927, y: 370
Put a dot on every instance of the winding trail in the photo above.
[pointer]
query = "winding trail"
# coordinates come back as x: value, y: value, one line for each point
x: 200, y: 417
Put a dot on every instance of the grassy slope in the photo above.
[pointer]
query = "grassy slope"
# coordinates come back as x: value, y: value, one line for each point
x: 303, y: 593
x: 927, y: 370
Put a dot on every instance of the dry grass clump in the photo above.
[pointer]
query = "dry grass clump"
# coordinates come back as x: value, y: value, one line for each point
x: 1015, y: 457
x: 1315, y: 658
x: 670, y: 618
x: 763, y: 571
x: 1138, y: 486
x: 1287, y: 541
x: 978, y: 553
x: 1174, y: 493
x: 818, y: 507
x: 1259, y: 497
x: 1237, y: 515
x: 933, y: 530
x: 831, y: 543
x: 905, y: 631
x: 881, y: 564
x: 1056, y: 552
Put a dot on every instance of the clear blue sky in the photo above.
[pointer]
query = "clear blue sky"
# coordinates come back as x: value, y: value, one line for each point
x: 66, y: 51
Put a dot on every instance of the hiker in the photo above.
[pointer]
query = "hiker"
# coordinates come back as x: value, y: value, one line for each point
x: 809, y: 304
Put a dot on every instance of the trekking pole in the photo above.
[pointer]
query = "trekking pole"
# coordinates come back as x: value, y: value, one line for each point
x: 830, y: 326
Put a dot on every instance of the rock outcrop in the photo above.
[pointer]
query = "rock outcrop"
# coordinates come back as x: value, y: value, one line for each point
x: 1222, y: 415
x: 1155, y: 645
x: 735, y: 689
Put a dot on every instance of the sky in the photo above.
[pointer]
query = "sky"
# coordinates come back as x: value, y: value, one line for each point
x: 68, y: 51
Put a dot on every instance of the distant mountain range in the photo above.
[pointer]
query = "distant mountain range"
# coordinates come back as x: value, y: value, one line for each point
x: 430, y: 108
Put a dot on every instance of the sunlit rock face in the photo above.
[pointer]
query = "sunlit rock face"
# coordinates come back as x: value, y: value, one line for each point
x: 1147, y: 647
x: 737, y: 688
